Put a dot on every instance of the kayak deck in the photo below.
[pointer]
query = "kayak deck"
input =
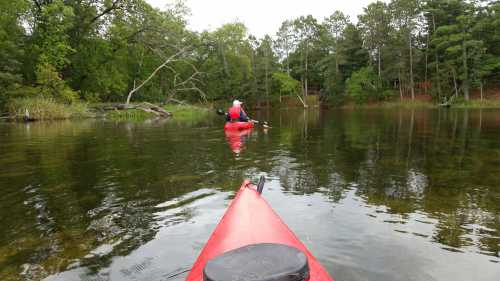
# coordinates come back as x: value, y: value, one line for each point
x: 250, y: 220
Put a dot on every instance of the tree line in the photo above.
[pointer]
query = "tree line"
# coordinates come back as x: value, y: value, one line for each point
x: 125, y: 50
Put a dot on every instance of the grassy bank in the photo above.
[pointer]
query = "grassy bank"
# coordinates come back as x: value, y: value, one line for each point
x: 129, y: 115
x: 185, y: 112
x: 425, y: 104
x: 40, y: 108
x: 493, y: 103
x: 182, y: 112
x: 408, y: 104
x: 392, y: 104
x: 47, y: 109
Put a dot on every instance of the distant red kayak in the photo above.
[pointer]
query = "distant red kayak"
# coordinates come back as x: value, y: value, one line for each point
x: 236, y: 126
x: 250, y: 233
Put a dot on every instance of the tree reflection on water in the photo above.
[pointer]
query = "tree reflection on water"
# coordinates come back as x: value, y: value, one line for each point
x: 81, y: 194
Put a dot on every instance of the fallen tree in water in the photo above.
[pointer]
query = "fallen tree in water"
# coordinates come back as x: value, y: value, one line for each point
x: 178, y: 111
x: 143, y: 106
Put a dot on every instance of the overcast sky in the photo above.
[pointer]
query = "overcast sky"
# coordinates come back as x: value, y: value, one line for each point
x: 261, y: 16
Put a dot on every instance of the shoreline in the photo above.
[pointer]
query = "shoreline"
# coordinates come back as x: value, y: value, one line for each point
x: 32, y: 110
x: 187, y: 112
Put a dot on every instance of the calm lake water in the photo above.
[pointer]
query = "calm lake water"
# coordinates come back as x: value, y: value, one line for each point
x: 375, y: 194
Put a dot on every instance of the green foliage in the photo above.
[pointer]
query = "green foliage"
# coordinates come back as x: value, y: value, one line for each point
x: 375, y: 24
x: 51, y: 85
x: 353, y: 55
x: 229, y: 62
x: 52, y: 40
x: 11, y: 46
x: 284, y: 43
x: 362, y: 85
x: 100, y: 50
x: 350, y: 57
x: 387, y: 94
x: 284, y: 84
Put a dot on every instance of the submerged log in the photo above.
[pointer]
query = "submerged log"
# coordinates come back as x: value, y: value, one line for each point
x: 172, y: 100
x: 151, y: 108
x: 144, y: 106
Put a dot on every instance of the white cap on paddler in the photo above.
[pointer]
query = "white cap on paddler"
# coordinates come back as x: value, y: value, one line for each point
x: 237, y: 103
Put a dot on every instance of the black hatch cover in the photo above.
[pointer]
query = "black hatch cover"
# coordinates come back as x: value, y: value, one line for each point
x: 258, y: 262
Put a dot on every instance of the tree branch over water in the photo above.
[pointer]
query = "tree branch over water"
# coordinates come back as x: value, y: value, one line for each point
x: 184, y: 85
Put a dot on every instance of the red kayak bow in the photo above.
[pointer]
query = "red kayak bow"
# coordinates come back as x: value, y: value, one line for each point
x: 249, y: 220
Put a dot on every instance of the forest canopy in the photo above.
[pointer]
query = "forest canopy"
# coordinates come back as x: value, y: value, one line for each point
x: 100, y: 51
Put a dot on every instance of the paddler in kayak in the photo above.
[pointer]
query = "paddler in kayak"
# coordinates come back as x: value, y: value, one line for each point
x: 236, y: 113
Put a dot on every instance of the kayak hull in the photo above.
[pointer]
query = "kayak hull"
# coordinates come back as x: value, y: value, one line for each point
x: 250, y: 220
x: 237, y: 126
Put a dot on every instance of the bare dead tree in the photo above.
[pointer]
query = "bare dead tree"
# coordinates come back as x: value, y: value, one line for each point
x: 189, y: 84
x: 168, y: 61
